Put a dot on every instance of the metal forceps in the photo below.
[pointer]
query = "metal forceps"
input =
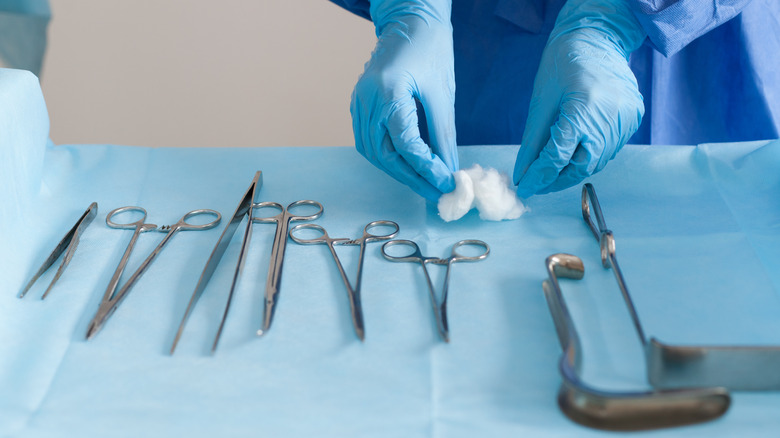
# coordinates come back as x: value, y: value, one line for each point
x: 112, y: 298
x: 353, y: 294
x: 68, y: 246
x: 736, y: 367
x: 282, y: 221
x: 439, y: 309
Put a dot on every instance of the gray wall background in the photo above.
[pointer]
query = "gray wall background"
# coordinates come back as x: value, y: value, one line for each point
x: 203, y: 72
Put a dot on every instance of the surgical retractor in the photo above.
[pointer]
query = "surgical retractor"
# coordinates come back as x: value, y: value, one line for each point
x: 669, y: 366
x: 612, y: 410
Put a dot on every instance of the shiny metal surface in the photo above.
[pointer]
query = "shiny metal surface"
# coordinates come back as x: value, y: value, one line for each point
x: 612, y: 410
x: 112, y: 298
x: 415, y: 256
x: 67, y: 245
x: 671, y: 366
x: 282, y: 221
x: 244, y: 209
x: 353, y: 293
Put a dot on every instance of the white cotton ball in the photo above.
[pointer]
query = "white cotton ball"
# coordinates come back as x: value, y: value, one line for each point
x: 455, y: 205
x: 491, y: 192
x: 475, y: 172
x: 495, y: 198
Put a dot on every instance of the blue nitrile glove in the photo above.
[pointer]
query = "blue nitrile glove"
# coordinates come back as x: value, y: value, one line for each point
x: 585, y: 104
x: 413, y: 58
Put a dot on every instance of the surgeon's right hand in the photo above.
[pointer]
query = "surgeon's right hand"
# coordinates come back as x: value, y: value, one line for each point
x: 413, y: 59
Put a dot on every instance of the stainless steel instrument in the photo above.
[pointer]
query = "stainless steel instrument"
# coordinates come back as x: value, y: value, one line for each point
x: 353, y: 294
x: 671, y: 366
x: 112, y: 298
x: 415, y: 256
x: 611, y: 410
x: 68, y: 246
x: 247, y: 207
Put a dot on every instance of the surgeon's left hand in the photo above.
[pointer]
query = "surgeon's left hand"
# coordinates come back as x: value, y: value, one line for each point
x: 585, y: 104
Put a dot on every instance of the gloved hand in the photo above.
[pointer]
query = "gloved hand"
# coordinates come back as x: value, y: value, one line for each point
x: 585, y: 103
x: 413, y: 58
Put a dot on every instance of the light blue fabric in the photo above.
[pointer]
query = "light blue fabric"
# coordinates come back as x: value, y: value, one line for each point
x: 718, y: 86
x: 24, y: 131
x: 23, y: 31
x: 696, y: 230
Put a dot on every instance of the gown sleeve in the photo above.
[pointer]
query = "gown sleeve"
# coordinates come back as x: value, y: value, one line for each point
x: 672, y: 24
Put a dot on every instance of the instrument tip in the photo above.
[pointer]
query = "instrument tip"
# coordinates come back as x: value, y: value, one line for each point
x: 260, y: 332
x: 91, y: 330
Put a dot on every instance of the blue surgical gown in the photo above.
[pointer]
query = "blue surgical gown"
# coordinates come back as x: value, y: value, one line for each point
x: 708, y: 70
x: 23, y: 26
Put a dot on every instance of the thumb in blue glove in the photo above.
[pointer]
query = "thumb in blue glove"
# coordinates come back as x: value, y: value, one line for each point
x: 585, y: 103
x: 413, y: 59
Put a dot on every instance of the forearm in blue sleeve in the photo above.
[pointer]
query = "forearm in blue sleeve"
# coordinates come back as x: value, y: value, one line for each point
x: 673, y: 24
x: 358, y: 7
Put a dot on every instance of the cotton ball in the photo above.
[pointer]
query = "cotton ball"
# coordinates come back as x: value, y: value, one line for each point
x: 454, y: 205
x: 495, y: 198
x: 475, y: 172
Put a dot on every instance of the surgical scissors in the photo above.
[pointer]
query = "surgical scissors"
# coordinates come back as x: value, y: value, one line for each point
x: 282, y: 221
x: 353, y: 294
x: 111, y: 298
x: 439, y: 310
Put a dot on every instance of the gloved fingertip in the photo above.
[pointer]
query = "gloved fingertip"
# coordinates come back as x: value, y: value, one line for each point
x: 430, y: 194
x: 523, y: 162
x: 517, y: 174
x: 525, y: 192
x: 448, y: 184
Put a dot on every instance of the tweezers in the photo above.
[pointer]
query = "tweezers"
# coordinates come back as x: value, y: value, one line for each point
x: 68, y: 246
x: 245, y: 208
x: 670, y: 366
x: 611, y: 410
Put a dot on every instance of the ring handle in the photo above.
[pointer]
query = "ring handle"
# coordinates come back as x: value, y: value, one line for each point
x: 128, y: 225
x: 413, y: 256
x: 303, y: 202
x: 456, y: 256
x: 323, y: 237
x: 184, y: 225
x: 590, y: 209
x: 267, y: 204
x: 369, y: 236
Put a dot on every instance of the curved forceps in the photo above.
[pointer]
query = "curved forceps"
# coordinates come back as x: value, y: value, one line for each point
x: 439, y: 310
x: 112, y: 299
x: 282, y: 221
x: 356, y: 308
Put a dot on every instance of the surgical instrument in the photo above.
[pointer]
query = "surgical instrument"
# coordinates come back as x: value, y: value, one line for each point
x: 668, y: 366
x: 439, y: 309
x: 67, y: 245
x: 611, y: 410
x: 282, y: 221
x: 112, y: 298
x: 245, y: 209
x: 353, y: 294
